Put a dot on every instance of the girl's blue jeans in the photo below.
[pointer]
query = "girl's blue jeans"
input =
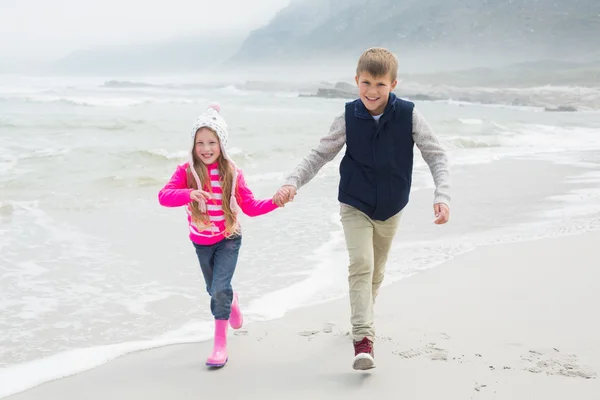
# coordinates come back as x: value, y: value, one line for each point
x: 218, y: 262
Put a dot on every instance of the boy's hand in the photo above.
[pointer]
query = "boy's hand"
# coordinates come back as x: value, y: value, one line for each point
x: 285, y: 194
x: 442, y: 213
x: 198, y: 195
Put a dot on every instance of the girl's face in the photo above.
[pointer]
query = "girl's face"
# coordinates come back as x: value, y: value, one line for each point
x: 206, y: 146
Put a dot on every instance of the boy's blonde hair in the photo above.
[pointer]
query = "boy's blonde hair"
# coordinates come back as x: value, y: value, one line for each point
x: 378, y: 62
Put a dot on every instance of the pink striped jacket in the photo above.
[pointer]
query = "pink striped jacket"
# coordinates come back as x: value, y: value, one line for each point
x: 176, y: 193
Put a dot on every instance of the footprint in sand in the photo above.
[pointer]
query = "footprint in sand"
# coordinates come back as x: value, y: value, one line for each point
x: 308, y: 333
x: 382, y: 339
x: 554, y: 363
x: 478, y: 387
x: 431, y: 351
x: 328, y: 327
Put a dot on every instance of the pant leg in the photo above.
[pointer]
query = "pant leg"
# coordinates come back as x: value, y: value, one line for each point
x: 226, y: 256
x: 383, y: 236
x: 358, y: 232
x: 206, y: 255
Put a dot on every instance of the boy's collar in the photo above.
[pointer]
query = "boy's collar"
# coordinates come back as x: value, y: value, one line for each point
x: 361, y: 111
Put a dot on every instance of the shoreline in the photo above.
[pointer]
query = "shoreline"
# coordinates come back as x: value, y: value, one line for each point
x: 299, y: 326
x: 168, y: 339
x: 429, y: 255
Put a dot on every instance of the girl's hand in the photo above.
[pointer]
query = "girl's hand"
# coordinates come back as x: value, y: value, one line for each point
x: 198, y: 195
x: 284, y: 195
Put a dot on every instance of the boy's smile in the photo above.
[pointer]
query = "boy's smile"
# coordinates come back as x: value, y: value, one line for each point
x: 375, y: 91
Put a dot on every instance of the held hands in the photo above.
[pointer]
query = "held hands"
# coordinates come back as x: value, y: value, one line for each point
x: 442, y: 213
x: 199, y: 195
x: 284, y: 195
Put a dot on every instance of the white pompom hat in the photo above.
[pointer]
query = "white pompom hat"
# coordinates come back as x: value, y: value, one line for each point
x: 213, y: 120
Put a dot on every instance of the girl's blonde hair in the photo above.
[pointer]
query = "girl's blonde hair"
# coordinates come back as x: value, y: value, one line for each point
x: 226, y: 176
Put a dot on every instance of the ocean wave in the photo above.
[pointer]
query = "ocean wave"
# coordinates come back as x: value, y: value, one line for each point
x: 18, y: 161
x: 30, y: 374
x: 128, y: 84
x: 130, y: 93
x: 161, y: 154
x: 551, y: 138
x: 114, y: 126
x: 130, y: 181
x: 540, y: 98
x: 73, y: 124
x: 180, y: 155
x: 491, y: 104
x: 20, y: 377
x: 471, y: 143
x: 586, y: 177
x: 46, y: 153
x: 240, y: 87
x: 530, y: 139
x: 112, y: 84
x: 6, y: 124
x: 231, y: 89
x: 101, y: 101
x: 7, y: 161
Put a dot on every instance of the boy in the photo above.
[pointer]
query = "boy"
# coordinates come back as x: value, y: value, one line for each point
x: 379, y: 131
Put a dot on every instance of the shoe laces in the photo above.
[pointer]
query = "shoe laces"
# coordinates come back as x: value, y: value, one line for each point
x: 364, y: 346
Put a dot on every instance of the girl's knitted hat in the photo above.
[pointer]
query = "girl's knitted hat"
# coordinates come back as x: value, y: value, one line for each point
x: 213, y: 120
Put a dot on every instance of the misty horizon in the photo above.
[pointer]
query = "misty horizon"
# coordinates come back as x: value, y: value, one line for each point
x: 49, y: 31
x: 282, y: 37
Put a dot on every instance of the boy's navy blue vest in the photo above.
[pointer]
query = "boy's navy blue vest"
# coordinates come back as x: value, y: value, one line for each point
x: 376, y: 170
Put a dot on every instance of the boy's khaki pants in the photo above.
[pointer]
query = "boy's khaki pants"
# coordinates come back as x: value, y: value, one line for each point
x: 368, y: 244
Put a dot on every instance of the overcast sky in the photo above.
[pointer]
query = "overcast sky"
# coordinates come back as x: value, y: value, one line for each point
x: 42, y: 29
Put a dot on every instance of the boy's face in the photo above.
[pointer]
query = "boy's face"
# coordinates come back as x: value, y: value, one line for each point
x: 375, y: 91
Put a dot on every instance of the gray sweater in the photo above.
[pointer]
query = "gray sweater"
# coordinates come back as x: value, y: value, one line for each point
x: 331, y: 144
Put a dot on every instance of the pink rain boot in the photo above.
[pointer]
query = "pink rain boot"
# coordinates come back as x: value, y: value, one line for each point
x: 236, y: 319
x: 218, y: 358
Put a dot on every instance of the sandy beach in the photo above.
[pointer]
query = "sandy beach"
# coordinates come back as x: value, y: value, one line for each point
x: 507, y: 321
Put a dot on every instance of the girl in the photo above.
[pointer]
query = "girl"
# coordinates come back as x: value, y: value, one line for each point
x: 212, y: 189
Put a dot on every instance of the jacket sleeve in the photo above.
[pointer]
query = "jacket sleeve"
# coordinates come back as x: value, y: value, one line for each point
x: 434, y: 155
x: 249, y: 205
x: 176, y: 193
